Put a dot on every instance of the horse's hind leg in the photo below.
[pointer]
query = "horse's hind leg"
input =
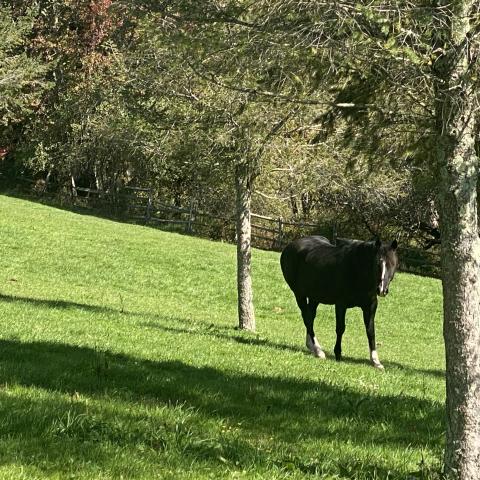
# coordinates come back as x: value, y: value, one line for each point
x: 309, y: 310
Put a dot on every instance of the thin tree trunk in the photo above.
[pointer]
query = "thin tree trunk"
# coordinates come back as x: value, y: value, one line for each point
x: 246, y: 314
x: 74, y: 187
x: 97, y: 171
x: 47, y: 180
x: 455, y: 110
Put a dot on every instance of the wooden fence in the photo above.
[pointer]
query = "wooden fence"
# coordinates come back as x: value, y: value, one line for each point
x: 138, y: 204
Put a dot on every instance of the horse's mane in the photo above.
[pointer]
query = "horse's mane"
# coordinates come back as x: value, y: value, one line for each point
x: 345, y: 242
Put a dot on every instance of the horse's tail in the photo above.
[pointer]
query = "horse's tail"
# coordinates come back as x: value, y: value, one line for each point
x: 289, y: 264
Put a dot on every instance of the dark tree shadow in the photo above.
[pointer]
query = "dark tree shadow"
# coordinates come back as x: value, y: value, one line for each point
x: 229, y: 334
x: 157, y: 322
x: 259, y: 402
x: 404, y: 368
x: 56, y: 304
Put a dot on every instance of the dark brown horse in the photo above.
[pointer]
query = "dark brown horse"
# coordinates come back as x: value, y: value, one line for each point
x: 349, y: 274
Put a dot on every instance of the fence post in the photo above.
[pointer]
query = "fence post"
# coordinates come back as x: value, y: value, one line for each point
x: 148, y: 211
x: 278, y: 242
x: 188, y: 226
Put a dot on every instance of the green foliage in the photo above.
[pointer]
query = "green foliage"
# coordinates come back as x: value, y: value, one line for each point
x: 119, y: 358
x: 330, y: 104
x: 22, y: 75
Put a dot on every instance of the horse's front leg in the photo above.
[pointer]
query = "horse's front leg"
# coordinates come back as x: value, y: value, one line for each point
x: 369, y: 321
x: 340, y: 312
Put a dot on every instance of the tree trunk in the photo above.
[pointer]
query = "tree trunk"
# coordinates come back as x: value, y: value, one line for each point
x: 74, y: 187
x: 461, y: 309
x: 455, y: 110
x: 97, y: 171
x: 246, y: 315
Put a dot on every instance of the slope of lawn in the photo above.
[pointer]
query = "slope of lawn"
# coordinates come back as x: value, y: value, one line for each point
x: 119, y: 358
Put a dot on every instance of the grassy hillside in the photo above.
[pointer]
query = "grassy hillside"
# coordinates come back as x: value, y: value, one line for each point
x: 119, y: 359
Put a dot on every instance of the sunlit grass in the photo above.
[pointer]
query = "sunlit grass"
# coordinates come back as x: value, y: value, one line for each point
x: 119, y: 358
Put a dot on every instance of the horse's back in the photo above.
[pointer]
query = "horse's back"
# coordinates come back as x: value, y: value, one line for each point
x: 311, y: 267
x: 306, y: 244
x: 297, y: 251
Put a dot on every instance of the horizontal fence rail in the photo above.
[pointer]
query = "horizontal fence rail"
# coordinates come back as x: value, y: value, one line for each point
x: 269, y: 233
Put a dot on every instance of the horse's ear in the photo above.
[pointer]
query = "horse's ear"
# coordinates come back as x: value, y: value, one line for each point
x: 394, y: 245
x: 378, y: 243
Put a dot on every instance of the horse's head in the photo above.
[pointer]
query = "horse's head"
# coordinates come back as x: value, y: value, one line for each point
x: 387, y: 262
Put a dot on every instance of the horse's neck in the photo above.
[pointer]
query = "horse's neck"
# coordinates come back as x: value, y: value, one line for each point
x: 364, y: 265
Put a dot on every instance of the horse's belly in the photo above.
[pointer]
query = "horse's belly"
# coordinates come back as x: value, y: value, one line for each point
x: 323, y: 292
x: 333, y: 290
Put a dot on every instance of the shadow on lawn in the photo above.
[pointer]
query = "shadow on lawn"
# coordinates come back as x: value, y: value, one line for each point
x: 399, y: 366
x: 209, y: 330
x: 224, y: 333
x: 248, y: 339
x: 287, y: 407
x: 65, y: 304
x: 230, y: 335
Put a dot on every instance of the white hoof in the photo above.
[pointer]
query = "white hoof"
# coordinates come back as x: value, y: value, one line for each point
x: 319, y: 353
x: 375, y: 361
x: 315, y: 347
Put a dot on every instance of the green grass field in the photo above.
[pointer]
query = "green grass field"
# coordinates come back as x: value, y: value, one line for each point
x: 119, y: 359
